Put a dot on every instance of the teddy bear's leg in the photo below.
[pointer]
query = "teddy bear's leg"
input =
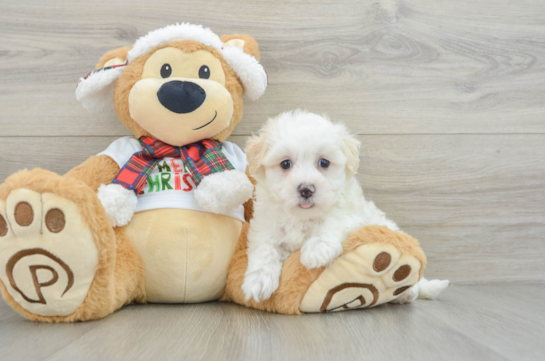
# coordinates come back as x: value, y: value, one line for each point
x: 378, y: 265
x: 294, y: 281
x: 60, y: 259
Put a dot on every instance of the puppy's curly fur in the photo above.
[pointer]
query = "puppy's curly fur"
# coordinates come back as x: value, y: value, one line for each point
x: 307, y: 196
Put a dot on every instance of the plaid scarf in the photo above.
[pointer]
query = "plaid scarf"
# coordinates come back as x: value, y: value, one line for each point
x: 200, y: 159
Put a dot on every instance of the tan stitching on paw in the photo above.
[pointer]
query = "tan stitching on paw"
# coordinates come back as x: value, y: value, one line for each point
x: 350, y: 305
x: 334, y: 290
x: 38, y: 286
x: 38, y: 251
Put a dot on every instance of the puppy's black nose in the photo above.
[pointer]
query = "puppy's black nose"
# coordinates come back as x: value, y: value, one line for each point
x: 181, y: 96
x: 306, y: 190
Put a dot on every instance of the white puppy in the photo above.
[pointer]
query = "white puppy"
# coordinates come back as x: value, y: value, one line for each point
x: 307, y: 198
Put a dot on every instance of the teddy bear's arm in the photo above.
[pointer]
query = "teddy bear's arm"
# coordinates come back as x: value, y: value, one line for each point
x: 97, y: 170
x: 249, y: 205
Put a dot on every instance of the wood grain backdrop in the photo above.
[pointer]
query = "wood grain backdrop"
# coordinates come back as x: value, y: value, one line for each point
x: 447, y: 98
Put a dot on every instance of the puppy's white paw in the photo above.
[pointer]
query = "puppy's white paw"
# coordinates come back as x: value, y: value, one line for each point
x: 261, y: 283
x: 409, y: 296
x: 317, y: 252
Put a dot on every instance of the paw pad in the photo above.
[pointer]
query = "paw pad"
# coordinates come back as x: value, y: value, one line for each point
x: 400, y: 290
x: 358, y: 301
x: 3, y: 226
x: 370, y: 275
x: 382, y: 261
x: 54, y: 220
x: 48, y: 257
x: 402, y: 273
x: 24, y: 215
x: 12, y: 262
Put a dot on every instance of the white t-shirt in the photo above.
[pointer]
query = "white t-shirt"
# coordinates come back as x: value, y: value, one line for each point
x: 169, y: 185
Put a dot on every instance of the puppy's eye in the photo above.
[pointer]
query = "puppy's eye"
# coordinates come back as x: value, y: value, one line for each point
x: 324, y: 163
x: 166, y: 70
x: 204, y: 72
x: 285, y: 164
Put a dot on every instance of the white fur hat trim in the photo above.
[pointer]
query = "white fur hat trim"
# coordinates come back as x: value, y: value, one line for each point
x: 95, y: 91
x: 249, y: 71
x: 183, y: 31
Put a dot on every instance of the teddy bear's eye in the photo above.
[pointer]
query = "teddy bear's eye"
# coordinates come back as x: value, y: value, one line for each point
x: 166, y: 70
x: 204, y: 72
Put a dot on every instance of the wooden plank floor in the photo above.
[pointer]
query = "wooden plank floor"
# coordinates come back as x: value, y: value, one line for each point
x: 493, y: 322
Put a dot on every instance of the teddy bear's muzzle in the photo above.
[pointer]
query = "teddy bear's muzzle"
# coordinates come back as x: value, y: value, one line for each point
x: 181, y: 96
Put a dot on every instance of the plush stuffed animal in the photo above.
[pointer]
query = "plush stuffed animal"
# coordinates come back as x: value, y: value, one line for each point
x: 155, y: 217
x: 377, y: 266
x: 159, y: 217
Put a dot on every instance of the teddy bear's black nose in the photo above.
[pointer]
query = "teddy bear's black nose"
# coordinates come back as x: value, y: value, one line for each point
x: 181, y: 96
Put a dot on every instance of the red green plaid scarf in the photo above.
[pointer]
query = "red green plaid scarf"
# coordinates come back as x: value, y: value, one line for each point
x: 200, y: 159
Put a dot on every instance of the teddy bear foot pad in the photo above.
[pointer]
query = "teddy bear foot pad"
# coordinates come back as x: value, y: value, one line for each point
x: 371, y: 275
x: 57, y: 249
x: 47, y: 254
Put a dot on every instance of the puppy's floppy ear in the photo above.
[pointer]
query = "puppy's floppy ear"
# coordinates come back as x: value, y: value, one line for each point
x: 256, y: 149
x: 351, y: 149
x: 245, y: 42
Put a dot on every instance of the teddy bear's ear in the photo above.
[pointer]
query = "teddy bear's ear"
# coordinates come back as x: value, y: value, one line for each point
x: 113, y: 57
x: 245, y: 42
x: 242, y: 54
x: 95, y: 90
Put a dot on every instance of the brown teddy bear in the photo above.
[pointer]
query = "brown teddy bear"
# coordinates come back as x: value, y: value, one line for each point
x: 161, y: 216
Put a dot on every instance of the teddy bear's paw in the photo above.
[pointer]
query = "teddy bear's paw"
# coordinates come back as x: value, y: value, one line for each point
x: 224, y: 191
x: 368, y: 276
x: 48, y: 256
x: 317, y: 252
x: 407, y: 297
x: 259, y: 284
x: 118, y: 202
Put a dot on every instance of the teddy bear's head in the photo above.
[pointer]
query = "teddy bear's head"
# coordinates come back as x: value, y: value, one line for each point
x: 179, y: 84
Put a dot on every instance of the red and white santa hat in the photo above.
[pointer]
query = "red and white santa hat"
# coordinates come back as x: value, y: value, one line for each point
x: 95, y: 90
